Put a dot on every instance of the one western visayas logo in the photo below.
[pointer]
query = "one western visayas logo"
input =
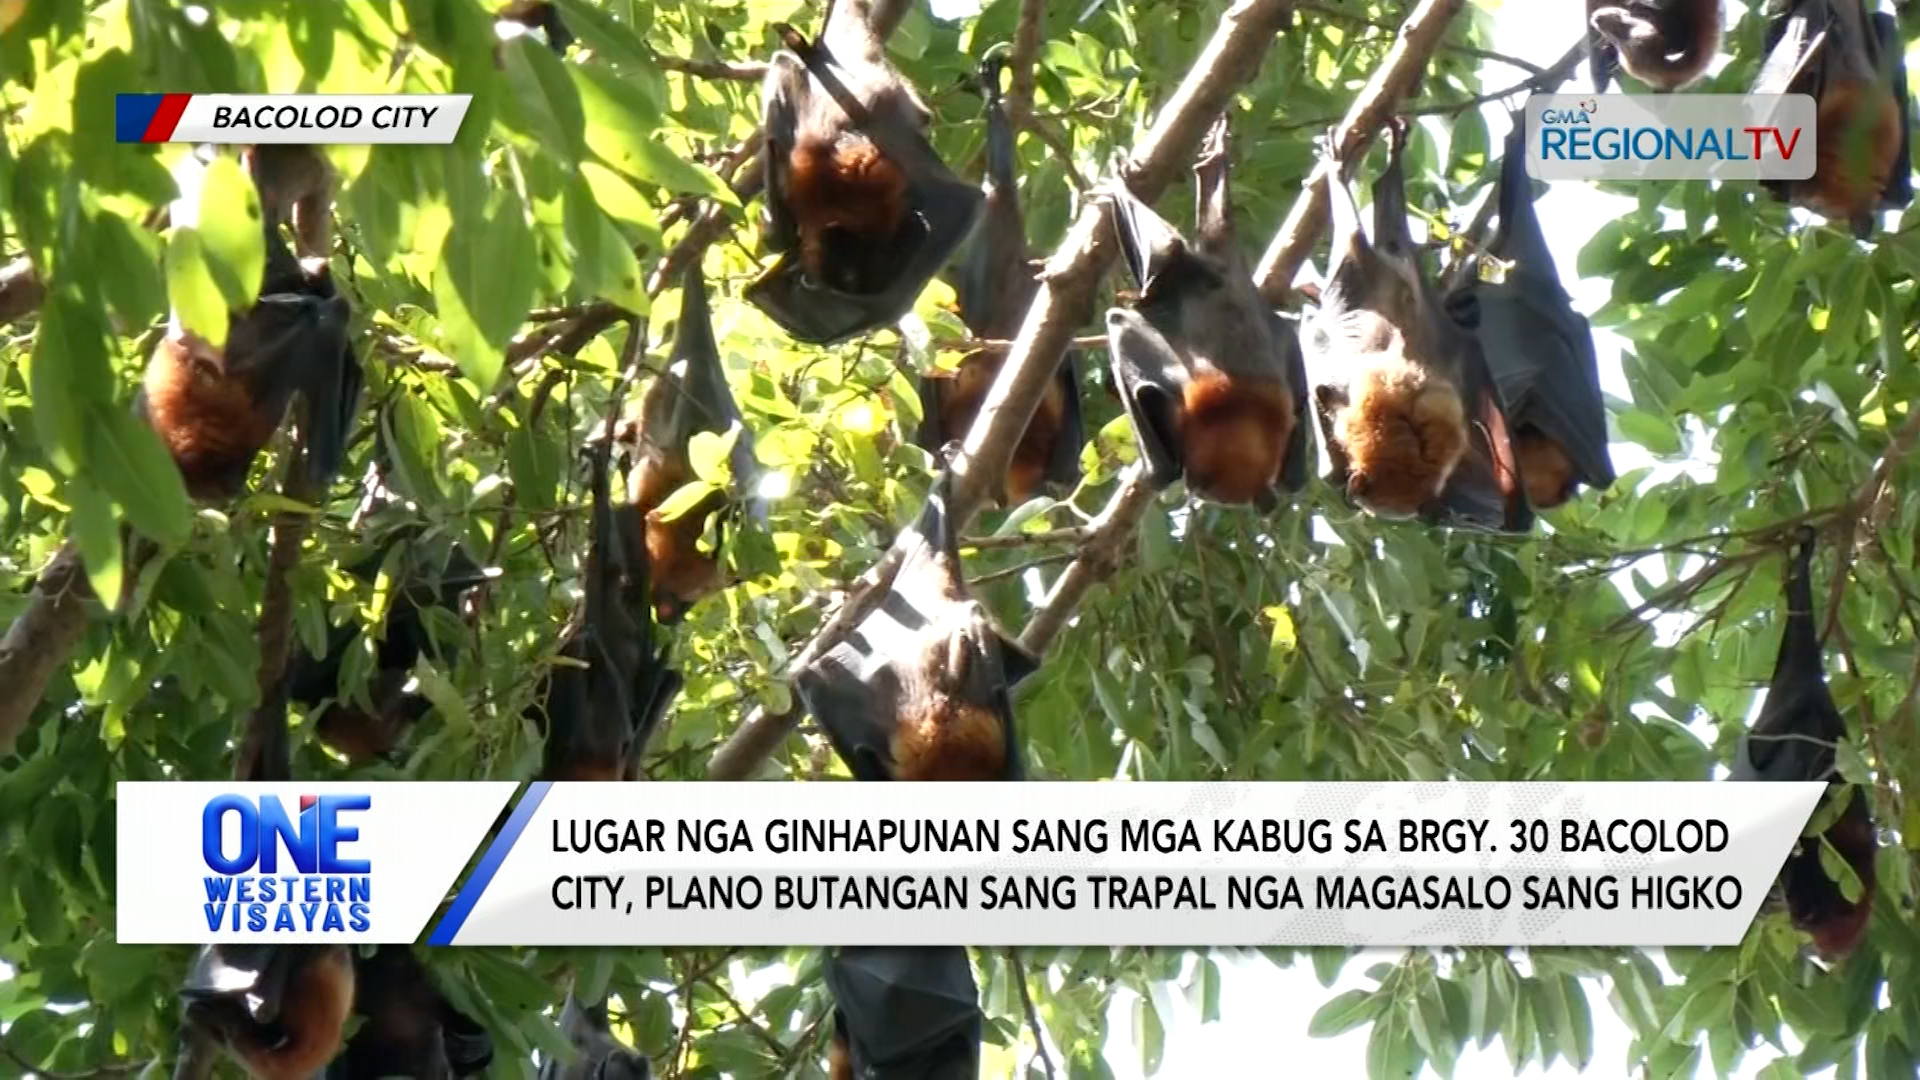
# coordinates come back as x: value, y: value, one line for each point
x: 316, y: 888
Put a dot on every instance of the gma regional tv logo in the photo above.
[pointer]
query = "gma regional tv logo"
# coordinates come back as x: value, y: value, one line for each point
x: 275, y: 871
x: 1671, y: 136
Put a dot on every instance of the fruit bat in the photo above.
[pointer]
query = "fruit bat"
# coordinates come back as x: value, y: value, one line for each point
x: 215, y: 409
x: 278, y: 1009
x: 601, y: 706
x: 1212, y: 379
x: 1411, y: 417
x: 370, y: 732
x: 903, y: 1012
x: 1666, y: 44
x: 995, y: 286
x: 860, y: 208
x: 1538, y: 348
x: 409, y: 1029
x: 1794, y: 738
x: 919, y: 689
x: 1853, y: 64
x: 543, y: 16
x: 296, y: 186
x: 599, y: 1056
x: 690, y: 397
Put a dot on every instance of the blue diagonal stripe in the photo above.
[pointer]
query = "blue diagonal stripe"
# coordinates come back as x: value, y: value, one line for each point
x: 482, y: 875
x: 131, y: 115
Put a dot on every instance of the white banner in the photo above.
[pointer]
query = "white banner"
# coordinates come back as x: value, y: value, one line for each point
x: 346, y: 119
x: 1671, y: 136
x: 292, y: 862
x: 1603, y: 864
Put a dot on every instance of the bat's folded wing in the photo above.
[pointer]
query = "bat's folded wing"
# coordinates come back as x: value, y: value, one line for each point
x: 909, y: 1010
x: 1151, y: 378
x: 1541, y: 355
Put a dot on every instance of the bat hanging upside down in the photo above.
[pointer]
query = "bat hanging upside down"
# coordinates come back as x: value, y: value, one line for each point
x: 603, y: 702
x: 1212, y: 379
x: 903, y: 1013
x: 995, y: 285
x: 217, y: 408
x: 690, y: 397
x: 1538, y: 348
x: 1795, y: 738
x: 919, y: 690
x: 1853, y: 63
x: 861, y: 209
x: 1667, y: 44
x: 1413, y: 422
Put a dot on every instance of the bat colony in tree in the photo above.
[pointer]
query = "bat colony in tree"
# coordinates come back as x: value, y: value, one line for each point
x: 1471, y: 408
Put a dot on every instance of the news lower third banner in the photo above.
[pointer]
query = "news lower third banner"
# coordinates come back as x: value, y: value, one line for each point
x: 1192, y: 864
x: 344, y: 119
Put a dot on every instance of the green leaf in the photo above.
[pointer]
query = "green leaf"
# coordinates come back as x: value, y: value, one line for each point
x: 1577, y: 1030
x: 484, y: 286
x: 685, y: 499
x: 130, y: 463
x: 68, y: 376
x: 197, y: 301
x: 1653, y: 432
x: 97, y: 534
x: 711, y: 455
x: 232, y: 241
x: 545, y: 94
x: 1149, y: 1036
x: 1344, y: 1013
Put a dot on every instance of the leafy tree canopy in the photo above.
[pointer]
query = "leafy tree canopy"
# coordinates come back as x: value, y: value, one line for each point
x: 491, y: 281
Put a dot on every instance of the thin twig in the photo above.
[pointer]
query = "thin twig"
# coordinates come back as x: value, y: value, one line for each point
x: 1076, y: 535
x: 1033, y: 1014
x: 713, y: 69
x: 1338, y: 14
x: 1864, y: 498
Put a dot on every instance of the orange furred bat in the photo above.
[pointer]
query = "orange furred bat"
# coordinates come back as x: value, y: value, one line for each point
x: 612, y: 685
x: 216, y: 409
x: 995, y: 285
x: 1853, y: 63
x: 1413, y: 420
x: 1538, y: 348
x: 859, y: 206
x: 1212, y: 379
x: 690, y: 397
x: 920, y: 690
x: 370, y: 731
x: 410, y: 1029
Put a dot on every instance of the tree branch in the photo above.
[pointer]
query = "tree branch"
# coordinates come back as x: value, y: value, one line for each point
x: 1026, y: 53
x: 1033, y: 1014
x: 712, y: 69
x: 1063, y: 303
x: 41, y: 639
x: 1398, y: 73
